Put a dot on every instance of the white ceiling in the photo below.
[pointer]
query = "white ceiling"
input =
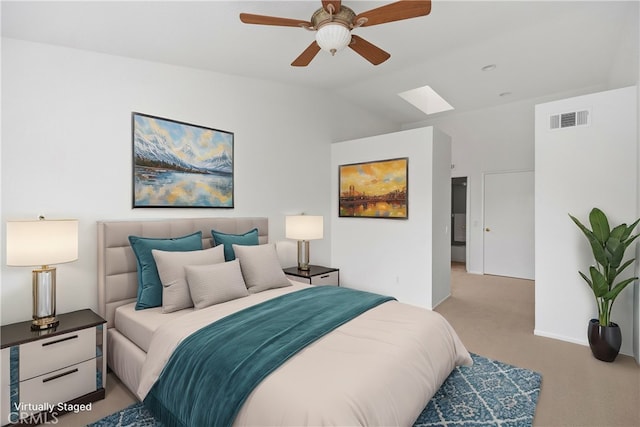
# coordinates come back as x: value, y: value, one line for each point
x: 540, y: 48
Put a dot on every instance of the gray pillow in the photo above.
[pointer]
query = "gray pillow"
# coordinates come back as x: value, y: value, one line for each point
x: 175, y: 290
x: 260, y: 267
x: 215, y: 283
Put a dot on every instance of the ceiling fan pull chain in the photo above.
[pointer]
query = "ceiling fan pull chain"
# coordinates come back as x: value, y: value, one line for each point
x: 359, y: 22
x: 331, y: 10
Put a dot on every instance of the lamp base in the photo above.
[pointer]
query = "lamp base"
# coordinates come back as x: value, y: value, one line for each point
x: 303, y: 255
x: 44, y: 298
x: 44, y: 323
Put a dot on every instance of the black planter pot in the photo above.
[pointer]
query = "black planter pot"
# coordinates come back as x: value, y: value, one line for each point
x: 605, y: 341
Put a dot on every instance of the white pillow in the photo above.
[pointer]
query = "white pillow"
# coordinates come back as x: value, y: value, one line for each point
x: 215, y: 283
x: 261, y: 267
x: 175, y: 290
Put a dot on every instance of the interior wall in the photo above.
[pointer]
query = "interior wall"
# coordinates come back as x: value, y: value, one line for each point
x: 392, y: 256
x: 625, y: 67
x: 441, y: 220
x: 67, y: 150
x: 577, y: 169
x: 497, y: 139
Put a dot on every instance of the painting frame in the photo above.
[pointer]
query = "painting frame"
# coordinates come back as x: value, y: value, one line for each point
x: 177, y: 164
x: 374, y: 189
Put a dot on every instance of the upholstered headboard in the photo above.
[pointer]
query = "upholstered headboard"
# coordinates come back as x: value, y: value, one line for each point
x: 117, y: 271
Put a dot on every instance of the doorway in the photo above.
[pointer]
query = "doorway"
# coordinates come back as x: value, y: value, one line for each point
x: 459, y: 221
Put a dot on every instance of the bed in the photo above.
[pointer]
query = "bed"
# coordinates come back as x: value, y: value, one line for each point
x: 379, y: 367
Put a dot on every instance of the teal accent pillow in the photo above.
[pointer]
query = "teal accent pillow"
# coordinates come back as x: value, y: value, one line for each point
x: 149, y: 284
x: 249, y: 238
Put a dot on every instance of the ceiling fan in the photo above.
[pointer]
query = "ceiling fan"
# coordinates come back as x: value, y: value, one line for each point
x: 333, y: 23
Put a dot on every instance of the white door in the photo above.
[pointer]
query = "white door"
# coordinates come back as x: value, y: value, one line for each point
x: 509, y: 224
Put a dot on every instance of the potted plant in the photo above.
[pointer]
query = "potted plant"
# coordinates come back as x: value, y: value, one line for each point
x: 608, y: 247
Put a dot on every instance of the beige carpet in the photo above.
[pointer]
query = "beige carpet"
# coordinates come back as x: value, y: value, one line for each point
x: 494, y: 316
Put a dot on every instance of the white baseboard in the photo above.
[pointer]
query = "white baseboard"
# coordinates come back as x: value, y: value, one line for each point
x: 440, y: 302
x: 560, y: 337
x: 584, y: 342
x: 476, y: 272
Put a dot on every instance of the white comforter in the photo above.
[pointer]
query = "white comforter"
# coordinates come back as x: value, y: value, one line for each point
x: 380, y: 368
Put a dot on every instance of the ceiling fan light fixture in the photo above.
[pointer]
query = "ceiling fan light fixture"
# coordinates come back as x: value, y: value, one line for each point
x: 333, y: 37
x: 333, y: 23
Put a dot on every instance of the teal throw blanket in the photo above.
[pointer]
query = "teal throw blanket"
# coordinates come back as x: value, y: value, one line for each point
x: 212, y: 372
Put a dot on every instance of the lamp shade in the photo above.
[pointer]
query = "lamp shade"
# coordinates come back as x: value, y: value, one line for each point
x: 333, y: 37
x: 304, y: 227
x: 41, y: 242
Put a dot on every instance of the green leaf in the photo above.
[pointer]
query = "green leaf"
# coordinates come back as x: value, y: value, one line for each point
x: 619, y: 287
x: 597, y: 248
x: 625, y: 265
x: 586, y: 279
x: 614, y: 252
x: 630, y: 240
x: 600, y: 285
x: 629, y: 229
x: 599, y: 253
x: 584, y: 229
x: 599, y: 225
x: 618, y: 232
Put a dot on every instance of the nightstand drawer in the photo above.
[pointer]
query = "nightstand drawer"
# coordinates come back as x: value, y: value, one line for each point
x: 332, y: 278
x: 305, y: 280
x: 49, y: 354
x: 61, y: 385
x: 315, y: 275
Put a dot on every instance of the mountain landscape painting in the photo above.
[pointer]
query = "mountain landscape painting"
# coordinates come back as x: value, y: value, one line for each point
x: 178, y: 164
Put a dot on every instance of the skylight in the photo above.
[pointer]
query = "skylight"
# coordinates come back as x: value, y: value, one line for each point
x: 426, y: 99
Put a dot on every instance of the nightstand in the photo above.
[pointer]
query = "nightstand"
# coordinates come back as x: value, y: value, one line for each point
x: 316, y: 275
x: 47, y: 373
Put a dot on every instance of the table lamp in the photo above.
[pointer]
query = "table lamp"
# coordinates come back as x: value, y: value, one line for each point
x: 42, y: 243
x: 303, y: 228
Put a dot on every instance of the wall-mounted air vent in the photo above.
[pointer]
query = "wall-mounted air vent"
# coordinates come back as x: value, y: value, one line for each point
x: 570, y: 119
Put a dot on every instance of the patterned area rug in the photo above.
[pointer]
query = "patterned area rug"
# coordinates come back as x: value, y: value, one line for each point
x: 489, y: 393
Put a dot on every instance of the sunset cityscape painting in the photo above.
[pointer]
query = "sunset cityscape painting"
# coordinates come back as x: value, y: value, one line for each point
x: 374, y: 189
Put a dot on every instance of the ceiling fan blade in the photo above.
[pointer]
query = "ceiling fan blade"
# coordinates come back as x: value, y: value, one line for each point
x: 403, y: 9
x: 249, y: 18
x: 305, y: 57
x: 335, y: 3
x: 368, y: 51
